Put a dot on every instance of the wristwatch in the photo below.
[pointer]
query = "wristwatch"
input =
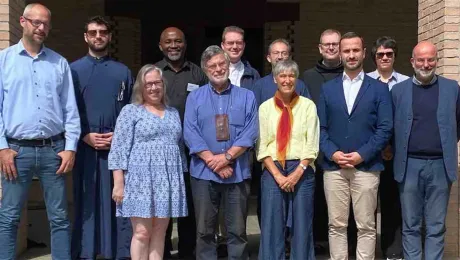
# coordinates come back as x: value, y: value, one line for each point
x: 303, y: 166
x: 228, y: 156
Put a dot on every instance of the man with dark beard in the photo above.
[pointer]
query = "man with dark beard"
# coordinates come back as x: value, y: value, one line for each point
x: 356, y: 120
x: 182, y: 77
x: 103, y: 86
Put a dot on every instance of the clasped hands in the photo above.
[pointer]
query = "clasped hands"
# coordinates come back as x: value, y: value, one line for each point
x: 347, y: 160
x: 287, y: 183
x: 99, y: 141
x: 220, y: 165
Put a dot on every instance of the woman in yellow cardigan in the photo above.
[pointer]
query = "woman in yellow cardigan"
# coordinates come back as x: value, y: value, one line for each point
x: 288, y: 145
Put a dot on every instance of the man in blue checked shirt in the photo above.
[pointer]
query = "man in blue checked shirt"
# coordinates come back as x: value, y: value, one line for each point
x: 220, y: 124
x: 39, y: 131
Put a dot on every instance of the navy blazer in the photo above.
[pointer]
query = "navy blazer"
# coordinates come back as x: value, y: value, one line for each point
x: 447, y: 122
x: 366, y: 130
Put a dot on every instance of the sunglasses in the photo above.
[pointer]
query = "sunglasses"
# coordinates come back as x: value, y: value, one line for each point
x: 93, y: 33
x: 380, y: 55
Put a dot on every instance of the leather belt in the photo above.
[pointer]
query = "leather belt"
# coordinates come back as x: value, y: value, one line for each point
x: 36, y: 142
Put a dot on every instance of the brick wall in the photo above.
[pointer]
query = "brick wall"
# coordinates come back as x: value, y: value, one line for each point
x: 126, y: 42
x: 439, y: 22
x: 369, y: 18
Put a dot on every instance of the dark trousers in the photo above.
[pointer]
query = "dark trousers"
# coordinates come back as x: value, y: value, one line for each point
x: 207, y: 196
x: 186, y: 227
x: 281, y: 209
x: 424, y: 195
x: 390, y: 213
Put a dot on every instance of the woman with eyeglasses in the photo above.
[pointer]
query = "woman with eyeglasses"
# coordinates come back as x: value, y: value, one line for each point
x: 148, y: 161
x: 287, y: 147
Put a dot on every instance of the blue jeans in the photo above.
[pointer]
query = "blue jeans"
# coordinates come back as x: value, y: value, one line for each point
x: 43, y: 162
x: 280, y: 209
x: 207, y: 196
x: 424, y: 193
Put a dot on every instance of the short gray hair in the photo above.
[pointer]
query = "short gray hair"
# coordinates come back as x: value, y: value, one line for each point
x: 286, y: 65
x: 137, y: 97
x: 210, y: 52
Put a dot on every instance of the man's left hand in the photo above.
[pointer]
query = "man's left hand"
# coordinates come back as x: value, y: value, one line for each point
x: 353, y: 158
x: 105, y: 141
x: 218, y: 162
x: 68, y: 159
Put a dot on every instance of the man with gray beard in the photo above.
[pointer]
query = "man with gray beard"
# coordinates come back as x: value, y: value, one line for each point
x: 182, y: 77
x: 426, y: 132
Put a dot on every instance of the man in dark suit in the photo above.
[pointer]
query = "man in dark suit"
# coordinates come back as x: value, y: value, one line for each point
x: 355, y: 115
x: 426, y: 132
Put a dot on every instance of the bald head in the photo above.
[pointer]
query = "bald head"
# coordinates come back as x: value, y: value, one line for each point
x: 424, y: 61
x: 172, y: 44
x: 36, y: 8
x: 425, y: 47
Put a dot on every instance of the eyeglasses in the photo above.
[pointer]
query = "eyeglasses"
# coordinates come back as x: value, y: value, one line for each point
x: 93, y: 33
x: 213, y: 67
x: 37, y: 23
x: 330, y: 44
x: 282, y: 53
x: 380, y: 55
x: 154, y: 84
x: 429, y: 60
x: 231, y: 43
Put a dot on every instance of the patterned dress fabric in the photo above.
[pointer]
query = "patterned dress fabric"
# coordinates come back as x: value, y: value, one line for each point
x: 150, y: 151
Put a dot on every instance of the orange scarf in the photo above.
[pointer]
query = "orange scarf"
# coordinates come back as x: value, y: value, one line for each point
x: 283, y: 133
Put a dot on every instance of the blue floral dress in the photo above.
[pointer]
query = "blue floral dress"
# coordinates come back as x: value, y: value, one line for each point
x: 150, y: 151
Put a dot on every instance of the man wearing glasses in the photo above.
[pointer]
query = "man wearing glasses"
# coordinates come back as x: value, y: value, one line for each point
x: 39, y: 131
x: 384, y: 53
x: 103, y: 87
x: 220, y: 125
x: 241, y: 72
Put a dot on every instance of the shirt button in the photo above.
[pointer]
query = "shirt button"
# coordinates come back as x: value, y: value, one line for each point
x: 35, y: 83
x: 38, y: 107
x: 35, y: 71
x: 37, y: 95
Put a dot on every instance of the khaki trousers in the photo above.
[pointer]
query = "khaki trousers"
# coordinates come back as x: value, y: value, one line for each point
x: 361, y: 187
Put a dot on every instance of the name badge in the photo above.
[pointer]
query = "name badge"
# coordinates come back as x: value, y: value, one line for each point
x: 191, y: 87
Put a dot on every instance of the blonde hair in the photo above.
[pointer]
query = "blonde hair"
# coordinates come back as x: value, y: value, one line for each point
x: 137, y: 97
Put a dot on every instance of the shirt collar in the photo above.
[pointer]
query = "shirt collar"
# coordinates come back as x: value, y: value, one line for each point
x: 227, y: 90
x: 417, y: 82
x: 96, y: 59
x: 359, y: 77
x: 163, y: 64
x: 237, y: 66
x: 394, y: 75
x: 21, y: 50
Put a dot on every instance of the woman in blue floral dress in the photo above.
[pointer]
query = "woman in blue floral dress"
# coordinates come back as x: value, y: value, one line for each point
x: 148, y: 161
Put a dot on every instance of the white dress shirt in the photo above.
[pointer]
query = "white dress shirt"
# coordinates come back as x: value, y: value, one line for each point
x: 236, y: 72
x: 394, y: 79
x: 351, y: 89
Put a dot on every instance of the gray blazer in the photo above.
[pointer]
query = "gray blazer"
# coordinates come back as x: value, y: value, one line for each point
x: 447, y: 121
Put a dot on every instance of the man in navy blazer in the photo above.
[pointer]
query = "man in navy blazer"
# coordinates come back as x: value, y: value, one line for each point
x: 426, y: 132
x: 356, y: 123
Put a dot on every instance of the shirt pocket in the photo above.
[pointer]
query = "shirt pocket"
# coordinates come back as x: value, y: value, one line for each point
x: 237, y: 119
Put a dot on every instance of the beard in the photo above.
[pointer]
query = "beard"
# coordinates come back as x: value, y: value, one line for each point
x: 353, y: 67
x: 174, y: 57
x: 100, y: 48
x: 425, y: 75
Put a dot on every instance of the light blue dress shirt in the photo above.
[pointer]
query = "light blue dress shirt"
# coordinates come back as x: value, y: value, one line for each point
x: 201, y: 109
x: 394, y: 79
x: 37, y: 98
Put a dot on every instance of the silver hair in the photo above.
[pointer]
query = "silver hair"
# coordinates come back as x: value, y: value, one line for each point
x: 279, y: 40
x: 137, y: 97
x: 210, y: 52
x: 284, y: 66
x: 29, y: 7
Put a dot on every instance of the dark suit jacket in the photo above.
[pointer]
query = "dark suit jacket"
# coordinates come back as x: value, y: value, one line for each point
x: 366, y: 130
x: 447, y: 121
